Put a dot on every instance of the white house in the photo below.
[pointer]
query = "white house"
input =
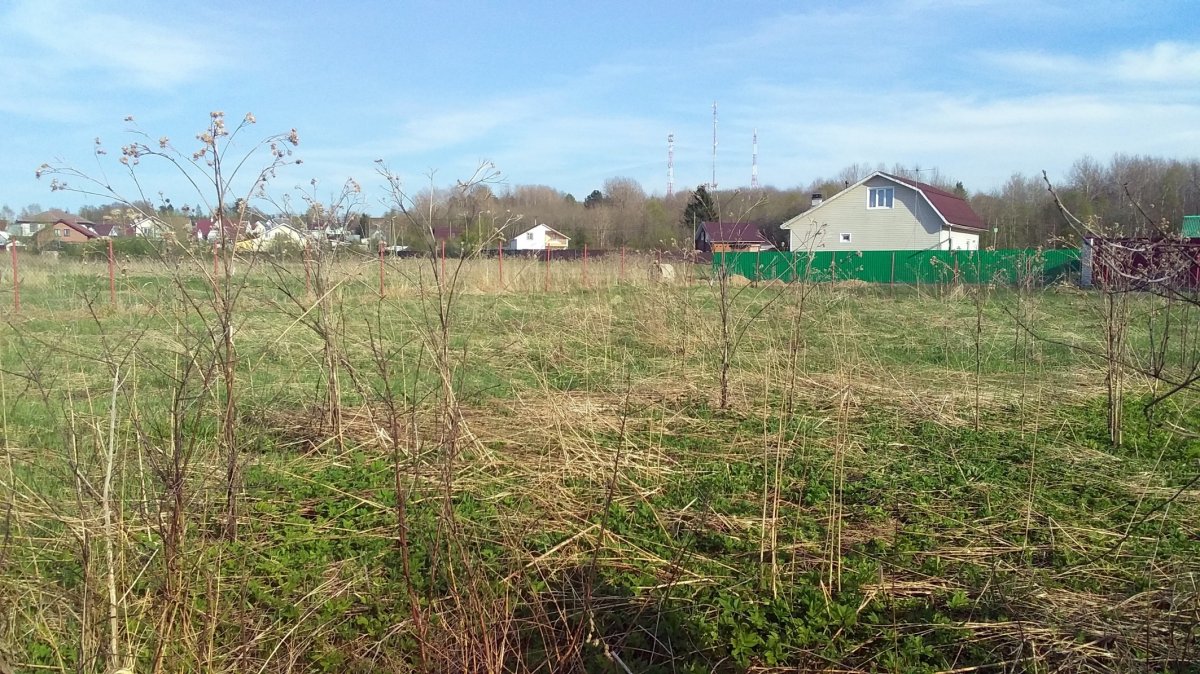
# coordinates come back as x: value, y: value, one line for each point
x: 152, y: 228
x: 262, y: 236
x: 538, y: 237
x: 282, y: 230
x: 887, y: 212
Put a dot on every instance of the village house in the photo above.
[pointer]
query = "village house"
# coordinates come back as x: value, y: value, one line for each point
x: 30, y: 225
x: 887, y: 212
x: 539, y: 237
x: 727, y: 237
x: 63, y: 232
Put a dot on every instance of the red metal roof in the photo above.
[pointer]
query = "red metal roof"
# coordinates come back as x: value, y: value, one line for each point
x: 79, y: 226
x: 953, y: 208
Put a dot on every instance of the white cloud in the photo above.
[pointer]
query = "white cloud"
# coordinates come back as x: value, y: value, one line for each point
x: 1161, y: 63
x: 60, y: 38
x: 978, y: 140
x: 1164, y: 63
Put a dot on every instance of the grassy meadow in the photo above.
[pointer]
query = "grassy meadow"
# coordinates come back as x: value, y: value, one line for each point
x: 283, y: 471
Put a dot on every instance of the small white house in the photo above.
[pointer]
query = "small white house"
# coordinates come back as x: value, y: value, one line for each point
x: 281, y: 230
x: 887, y: 212
x: 538, y: 237
x: 265, y: 235
x: 151, y: 228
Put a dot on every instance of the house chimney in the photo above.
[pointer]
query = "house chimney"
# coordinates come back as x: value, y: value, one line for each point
x: 817, y: 200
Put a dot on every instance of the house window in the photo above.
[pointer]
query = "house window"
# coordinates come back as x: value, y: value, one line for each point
x: 881, y: 197
x: 844, y: 237
x: 529, y: 236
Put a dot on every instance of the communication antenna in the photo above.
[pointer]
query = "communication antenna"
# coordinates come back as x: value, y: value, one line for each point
x: 670, y: 165
x: 754, y: 163
x: 713, y: 184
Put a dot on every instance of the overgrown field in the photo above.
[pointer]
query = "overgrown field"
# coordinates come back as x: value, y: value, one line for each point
x: 281, y: 471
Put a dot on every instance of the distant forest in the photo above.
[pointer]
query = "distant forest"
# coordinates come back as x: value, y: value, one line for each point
x: 1130, y: 195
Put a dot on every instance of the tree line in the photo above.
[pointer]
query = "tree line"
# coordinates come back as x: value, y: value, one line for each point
x: 1131, y: 195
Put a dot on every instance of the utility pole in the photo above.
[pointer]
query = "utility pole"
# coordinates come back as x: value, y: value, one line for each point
x: 670, y: 165
x: 754, y: 163
x: 713, y: 184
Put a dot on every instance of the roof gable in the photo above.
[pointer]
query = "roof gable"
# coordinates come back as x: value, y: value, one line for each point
x: 78, y: 226
x: 951, y: 208
x: 548, y: 228
x: 49, y: 217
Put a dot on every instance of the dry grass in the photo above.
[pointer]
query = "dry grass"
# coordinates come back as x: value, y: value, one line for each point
x: 575, y: 499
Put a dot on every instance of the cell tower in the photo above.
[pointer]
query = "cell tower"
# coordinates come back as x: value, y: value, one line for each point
x: 713, y: 184
x: 670, y: 165
x: 754, y: 163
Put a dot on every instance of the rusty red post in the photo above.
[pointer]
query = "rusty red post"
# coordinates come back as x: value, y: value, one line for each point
x: 585, y: 265
x: 112, y: 282
x: 443, y: 278
x: 12, y: 246
x: 381, y: 269
x: 546, y: 281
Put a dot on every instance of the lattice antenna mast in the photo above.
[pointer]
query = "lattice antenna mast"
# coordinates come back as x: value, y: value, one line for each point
x: 754, y: 163
x: 713, y: 184
x: 670, y: 165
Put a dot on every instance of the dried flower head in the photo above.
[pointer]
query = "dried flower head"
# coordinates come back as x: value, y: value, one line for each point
x: 128, y: 118
x: 293, y: 137
x: 250, y: 118
x: 164, y: 142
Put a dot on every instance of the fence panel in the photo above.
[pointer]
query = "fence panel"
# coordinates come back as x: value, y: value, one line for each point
x: 907, y: 267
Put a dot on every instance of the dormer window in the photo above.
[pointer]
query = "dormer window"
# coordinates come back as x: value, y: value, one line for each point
x: 881, y: 197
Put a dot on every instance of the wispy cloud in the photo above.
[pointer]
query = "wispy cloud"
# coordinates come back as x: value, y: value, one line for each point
x: 59, y: 37
x: 1162, y: 63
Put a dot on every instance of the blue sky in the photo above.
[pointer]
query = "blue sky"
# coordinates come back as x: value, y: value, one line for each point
x: 568, y: 94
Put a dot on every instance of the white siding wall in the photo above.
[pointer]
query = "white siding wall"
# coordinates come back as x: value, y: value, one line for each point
x: 284, y: 234
x: 911, y: 223
x: 959, y: 240
x: 534, y: 239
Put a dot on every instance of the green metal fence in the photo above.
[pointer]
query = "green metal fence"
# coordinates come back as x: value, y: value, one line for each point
x: 907, y: 266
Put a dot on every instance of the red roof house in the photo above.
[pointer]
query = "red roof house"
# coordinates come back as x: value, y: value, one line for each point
x: 65, y: 230
x: 887, y: 212
x: 719, y: 237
